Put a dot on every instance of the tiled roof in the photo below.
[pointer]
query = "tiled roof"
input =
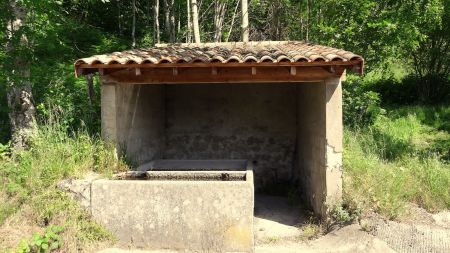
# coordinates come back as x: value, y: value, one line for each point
x: 231, y: 52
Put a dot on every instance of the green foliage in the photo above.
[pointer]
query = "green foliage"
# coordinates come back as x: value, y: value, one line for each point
x: 412, y: 89
x: 361, y: 107
x: 310, y: 231
x: 50, y: 241
x: 395, y: 161
x: 28, y: 181
x: 341, y: 214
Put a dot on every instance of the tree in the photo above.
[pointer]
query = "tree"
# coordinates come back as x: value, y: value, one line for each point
x: 245, y: 29
x: 133, y: 29
x: 156, y: 31
x: 20, y: 96
x: 194, y: 14
x: 189, y: 22
x: 219, y: 17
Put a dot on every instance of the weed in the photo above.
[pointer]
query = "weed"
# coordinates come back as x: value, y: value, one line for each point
x: 271, y: 240
x: 343, y: 214
x: 28, y: 182
x: 310, y: 231
x: 50, y: 241
x: 366, y: 227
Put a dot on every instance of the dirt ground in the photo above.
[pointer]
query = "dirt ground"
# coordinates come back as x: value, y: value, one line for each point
x: 280, y: 228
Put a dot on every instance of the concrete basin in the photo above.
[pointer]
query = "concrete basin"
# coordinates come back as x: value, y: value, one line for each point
x: 189, y: 205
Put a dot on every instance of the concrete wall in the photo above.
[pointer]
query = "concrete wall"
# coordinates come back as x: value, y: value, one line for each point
x: 311, y: 142
x: 133, y: 117
x: 228, y: 121
x: 177, y: 215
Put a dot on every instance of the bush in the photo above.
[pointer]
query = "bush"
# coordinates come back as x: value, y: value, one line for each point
x: 361, y: 107
x: 413, y: 90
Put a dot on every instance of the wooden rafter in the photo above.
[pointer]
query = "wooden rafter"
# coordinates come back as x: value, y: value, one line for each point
x: 222, y: 75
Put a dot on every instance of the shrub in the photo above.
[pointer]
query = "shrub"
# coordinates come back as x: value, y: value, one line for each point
x: 412, y: 90
x: 361, y: 107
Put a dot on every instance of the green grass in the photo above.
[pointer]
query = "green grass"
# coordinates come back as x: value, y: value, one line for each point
x: 402, y: 158
x: 28, y: 192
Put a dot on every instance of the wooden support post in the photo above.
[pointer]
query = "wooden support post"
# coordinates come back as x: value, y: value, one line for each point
x: 293, y: 70
x: 214, y: 71
x: 138, y: 71
x: 175, y: 71
x: 253, y: 70
x: 101, y: 72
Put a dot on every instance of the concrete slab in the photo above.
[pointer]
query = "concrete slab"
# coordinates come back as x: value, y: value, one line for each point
x: 275, y: 219
x: 410, y: 237
x: 349, y: 239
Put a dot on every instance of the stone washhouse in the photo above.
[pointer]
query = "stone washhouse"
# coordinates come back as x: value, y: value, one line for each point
x: 209, y: 124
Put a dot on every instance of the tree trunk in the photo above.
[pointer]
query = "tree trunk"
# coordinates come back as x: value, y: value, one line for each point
x: 189, y: 22
x: 275, y: 29
x: 232, y: 21
x: 219, y: 15
x: 167, y: 19
x: 173, y: 25
x: 90, y: 88
x: 245, y: 29
x: 20, y: 96
x: 120, y: 17
x: 308, y: 22
x: 156, y: 30
x: 133, y: 29
x: 195, y: 26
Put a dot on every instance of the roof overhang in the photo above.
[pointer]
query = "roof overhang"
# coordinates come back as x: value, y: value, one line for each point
x: 223, y: 63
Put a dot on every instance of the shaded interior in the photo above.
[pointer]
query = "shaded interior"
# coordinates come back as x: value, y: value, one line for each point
x: 278, y: 128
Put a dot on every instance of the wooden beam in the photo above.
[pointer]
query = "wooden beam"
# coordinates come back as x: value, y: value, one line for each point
x: 226, y: 75
x: 214, y: 71
x: 253, y: 70
x: 101, y: 71
x: 138, y: 71
x: 175, y: 71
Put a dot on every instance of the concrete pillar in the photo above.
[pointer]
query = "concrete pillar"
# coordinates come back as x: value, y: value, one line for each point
x: 319, y: 144
x: 108, y: 111
x: 311, y: 144
x: 334, y: 136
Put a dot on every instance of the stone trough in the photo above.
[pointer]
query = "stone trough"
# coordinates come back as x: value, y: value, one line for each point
x: 188, y: 205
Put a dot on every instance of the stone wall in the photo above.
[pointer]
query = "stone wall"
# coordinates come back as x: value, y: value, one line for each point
x: 228, y: 121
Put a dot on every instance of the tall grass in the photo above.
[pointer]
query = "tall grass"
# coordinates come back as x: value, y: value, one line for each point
x: 28, y: 182
x: 397, y: 161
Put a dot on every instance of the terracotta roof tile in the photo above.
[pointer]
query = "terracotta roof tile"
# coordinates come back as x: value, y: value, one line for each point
x: 238, y: 52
